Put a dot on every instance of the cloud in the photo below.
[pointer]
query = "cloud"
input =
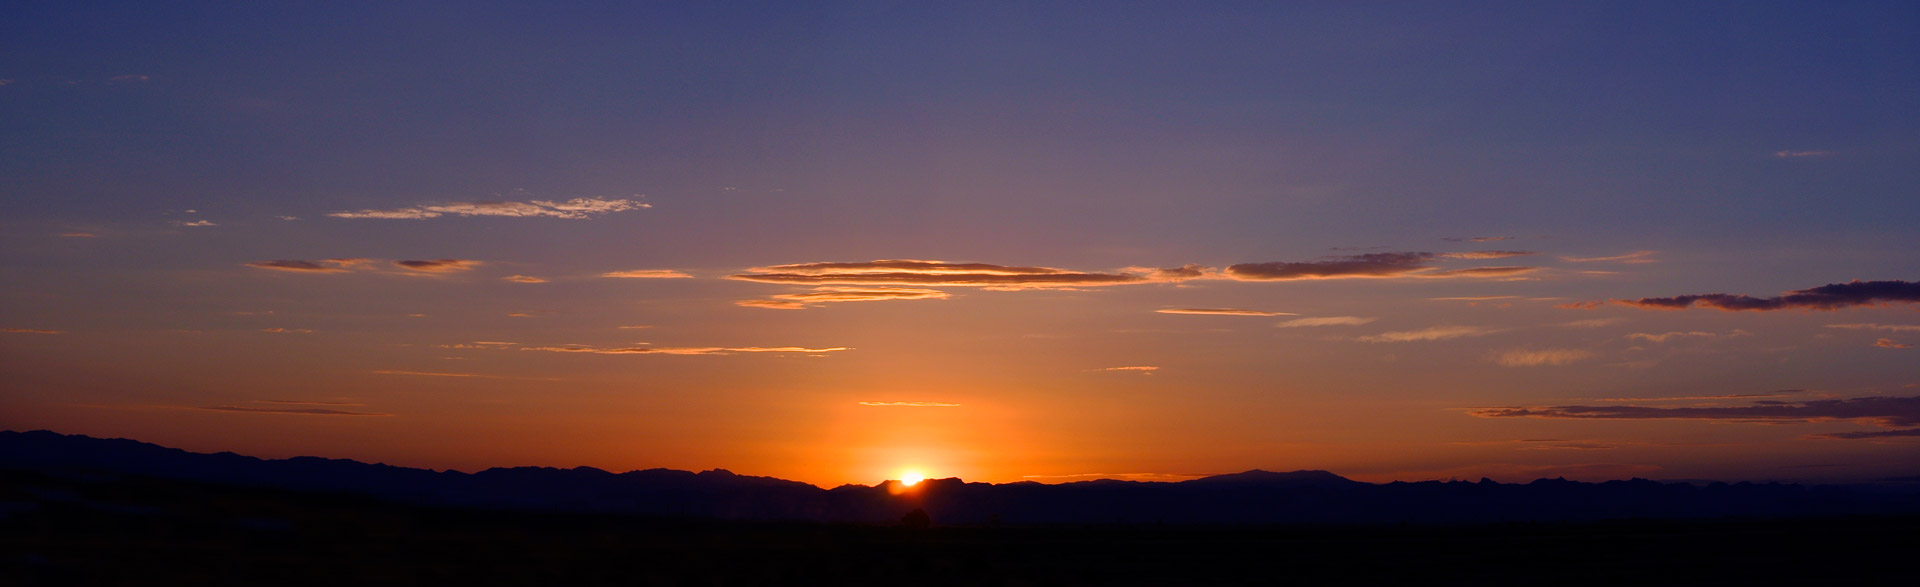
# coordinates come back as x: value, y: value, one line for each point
x: 1324, y: 321
x: 1833, y: 296
x: 1374, y: 266
x: 1474, y: 298
x: 1477, y: 239
x: 129, y: 78
x: 1888, y: 343
x: 1593, y: 323
x: 771, y: 304
x: 523, y: 279
x: 577, y: 208
x: 934, y: 273
x: 78, y: 235
x: 1867, y: 434
x: 197, y: 223
x: 287, y: 330
x: 1221, y: 312
x: 430, y: 374
x: 1790, y: 154
x: 437, y: 265
x: 682, y: 350
x: 1535, y: 358
x: 293, y: 411
x: 823, y: 295
x: 321, y: 266
x: 910, y: 404
x: 1886, y: 327
x: 646, y: 274
x: 1487, y: 254
x: 1141, y: 369
x: 1429, y: 334
x: 31, y: 331
x: 1633, y: 257
x: 1883, y: 411
x: 1664, y: 336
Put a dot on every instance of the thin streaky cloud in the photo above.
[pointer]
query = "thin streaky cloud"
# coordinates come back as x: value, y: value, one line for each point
x: 1540, y: 357
x: 1886, y: 327
x: 1429, y: 334
x: 302, y: 266
x: 1833, y: 296
x: 1888, y: 343
x: 429, y: 373
x: 1661, y: 337
x: 287, y: 330
x: 1486, y: 254
x: 1325, y: 321
x: 32, y: 331
x: 829, y: 295
x: 523, y: 279
x: 910, y: 404
x: 1883, y: 411
x: 574, y: 209
x: 1633, y: 257
x: 771, y: 304
x: 194, y: 223
x: 1794, y: 154
x: 934, y: 274
x: 1373, y: 266
x: 1221, y: 312
x: 309, y: 403
x: 1593, y: 323
x: 437, y: 265
x: 646, y: 274
x: 291, y: 411
x: 1477, y: 239
x: 1479, y: 272
x: 1474, y: 298
x: 1141, y: 369
x: 682, y: 350
x: 78, y: 235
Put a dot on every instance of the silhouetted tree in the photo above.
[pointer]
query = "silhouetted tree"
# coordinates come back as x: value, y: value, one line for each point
x: 917, y: 519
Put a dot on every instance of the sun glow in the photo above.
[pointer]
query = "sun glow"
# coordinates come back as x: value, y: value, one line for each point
x: 909, y: 478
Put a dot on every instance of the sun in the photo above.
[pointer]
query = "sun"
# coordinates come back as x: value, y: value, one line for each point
x: 910, y: 477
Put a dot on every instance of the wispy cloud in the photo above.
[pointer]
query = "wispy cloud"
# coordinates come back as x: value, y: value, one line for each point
x: 1888, y: 343
x: 31, y: 331
x: 1474, y: 298
x: 1477, y: 239
x: 320, y: 266
x: 910, y: 404
x: 1486, y: 254
x: 1658, y: 338
x: 194, y: 223
x: 933, y: 274
x: 78, y: 235
x: 1141, y: 369
x: 287, y: 330
x: 577, y: 208
x: 1633, y: 257
x: 646, y: 274
x: 1324, y: 321
x: 1793, y: 154
x: 1593, y: 323
x: 288, y: 408
x: 1429, y: 334
x: 1833, y: 296
x: 523, y: 279
x: 1883, y: 411
x: 437, y: 265
x: 1886, y: 327
x: 825, y: 295
x: 1538, y: 357
x: 682, y: 350
x: 1375, y: 266
x: 430, y: 373
x: 1221, y: 312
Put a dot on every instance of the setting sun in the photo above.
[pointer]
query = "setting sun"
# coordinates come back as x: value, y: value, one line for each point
x: 909, y: 478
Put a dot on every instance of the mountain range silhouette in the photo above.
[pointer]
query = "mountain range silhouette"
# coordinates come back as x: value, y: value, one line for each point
x: 1252, y: 497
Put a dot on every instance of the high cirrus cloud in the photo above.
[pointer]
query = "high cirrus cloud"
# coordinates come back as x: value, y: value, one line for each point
x: 1220, y: 312
x: 437, y: 265
x: 936, y: 274
x: 1899, y: 413
x: 302, y: 266
x: 1539, y: 357
x: 824, y: 295
x: 682, y: 350
x: 1324, y: 321
x: 646, y: 274
x: 576, y: 208
x: 1833, y: 296
x: 1377, y: 266
x: 1428, y: 334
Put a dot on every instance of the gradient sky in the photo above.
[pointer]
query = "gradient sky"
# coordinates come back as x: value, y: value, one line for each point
x: 832, y: 242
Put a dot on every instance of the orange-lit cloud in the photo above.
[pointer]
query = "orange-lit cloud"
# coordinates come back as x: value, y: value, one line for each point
x: 31, y: 331
x: 1886, y: 327
x: 1429, y: 334
x: 287, y: 330
x: 825, y: 295
x: 911, y: 404
x: 576, y: 208
x: 1477, y: 239
x: 1633, y: 257
x: 1486, y: 254
x: 430, y: 373
x: 320, y: 266
x: 291, y: 411
x: 523, y: 279
x: 79, y: 235
x: 1141, y: 369
x: 933, y: 273
x: 646, y: 274
x: 1888, y: 343
x: 1538, y: 357
x: 1221, y: 312
x: 1324, y: 321
x: 1506, y: 271
x: 194, y: 223
x: 437, y: 265
x: 682, y: 350
x: 1665, y: 336
x: 1833, y: 296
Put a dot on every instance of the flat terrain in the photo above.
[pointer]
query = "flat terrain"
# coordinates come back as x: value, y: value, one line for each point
x: 108, y: 530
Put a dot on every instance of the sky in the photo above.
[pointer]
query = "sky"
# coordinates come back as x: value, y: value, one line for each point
x: 842, y: 242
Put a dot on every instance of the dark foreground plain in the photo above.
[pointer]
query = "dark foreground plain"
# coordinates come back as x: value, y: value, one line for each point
x: 68, y: 528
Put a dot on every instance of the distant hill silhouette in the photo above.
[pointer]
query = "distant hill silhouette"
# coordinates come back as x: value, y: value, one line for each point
x: 1252, y: 497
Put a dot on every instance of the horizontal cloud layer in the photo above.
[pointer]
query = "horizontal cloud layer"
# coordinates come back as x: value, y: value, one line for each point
x: 1538, y: 357
x: 437, y: 265
x: 1377, y: 266
x: 910, y: 404
x: 934, y: 273
x: 1221, y: 312
x: 1833, y: 296
x: 1887, y: 412
x: 1325, y: 321
x: 646, y: 274
x: 1429, y: 334
x: 682, y: 350
x: 576, y: 208
x: 320, y: 266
